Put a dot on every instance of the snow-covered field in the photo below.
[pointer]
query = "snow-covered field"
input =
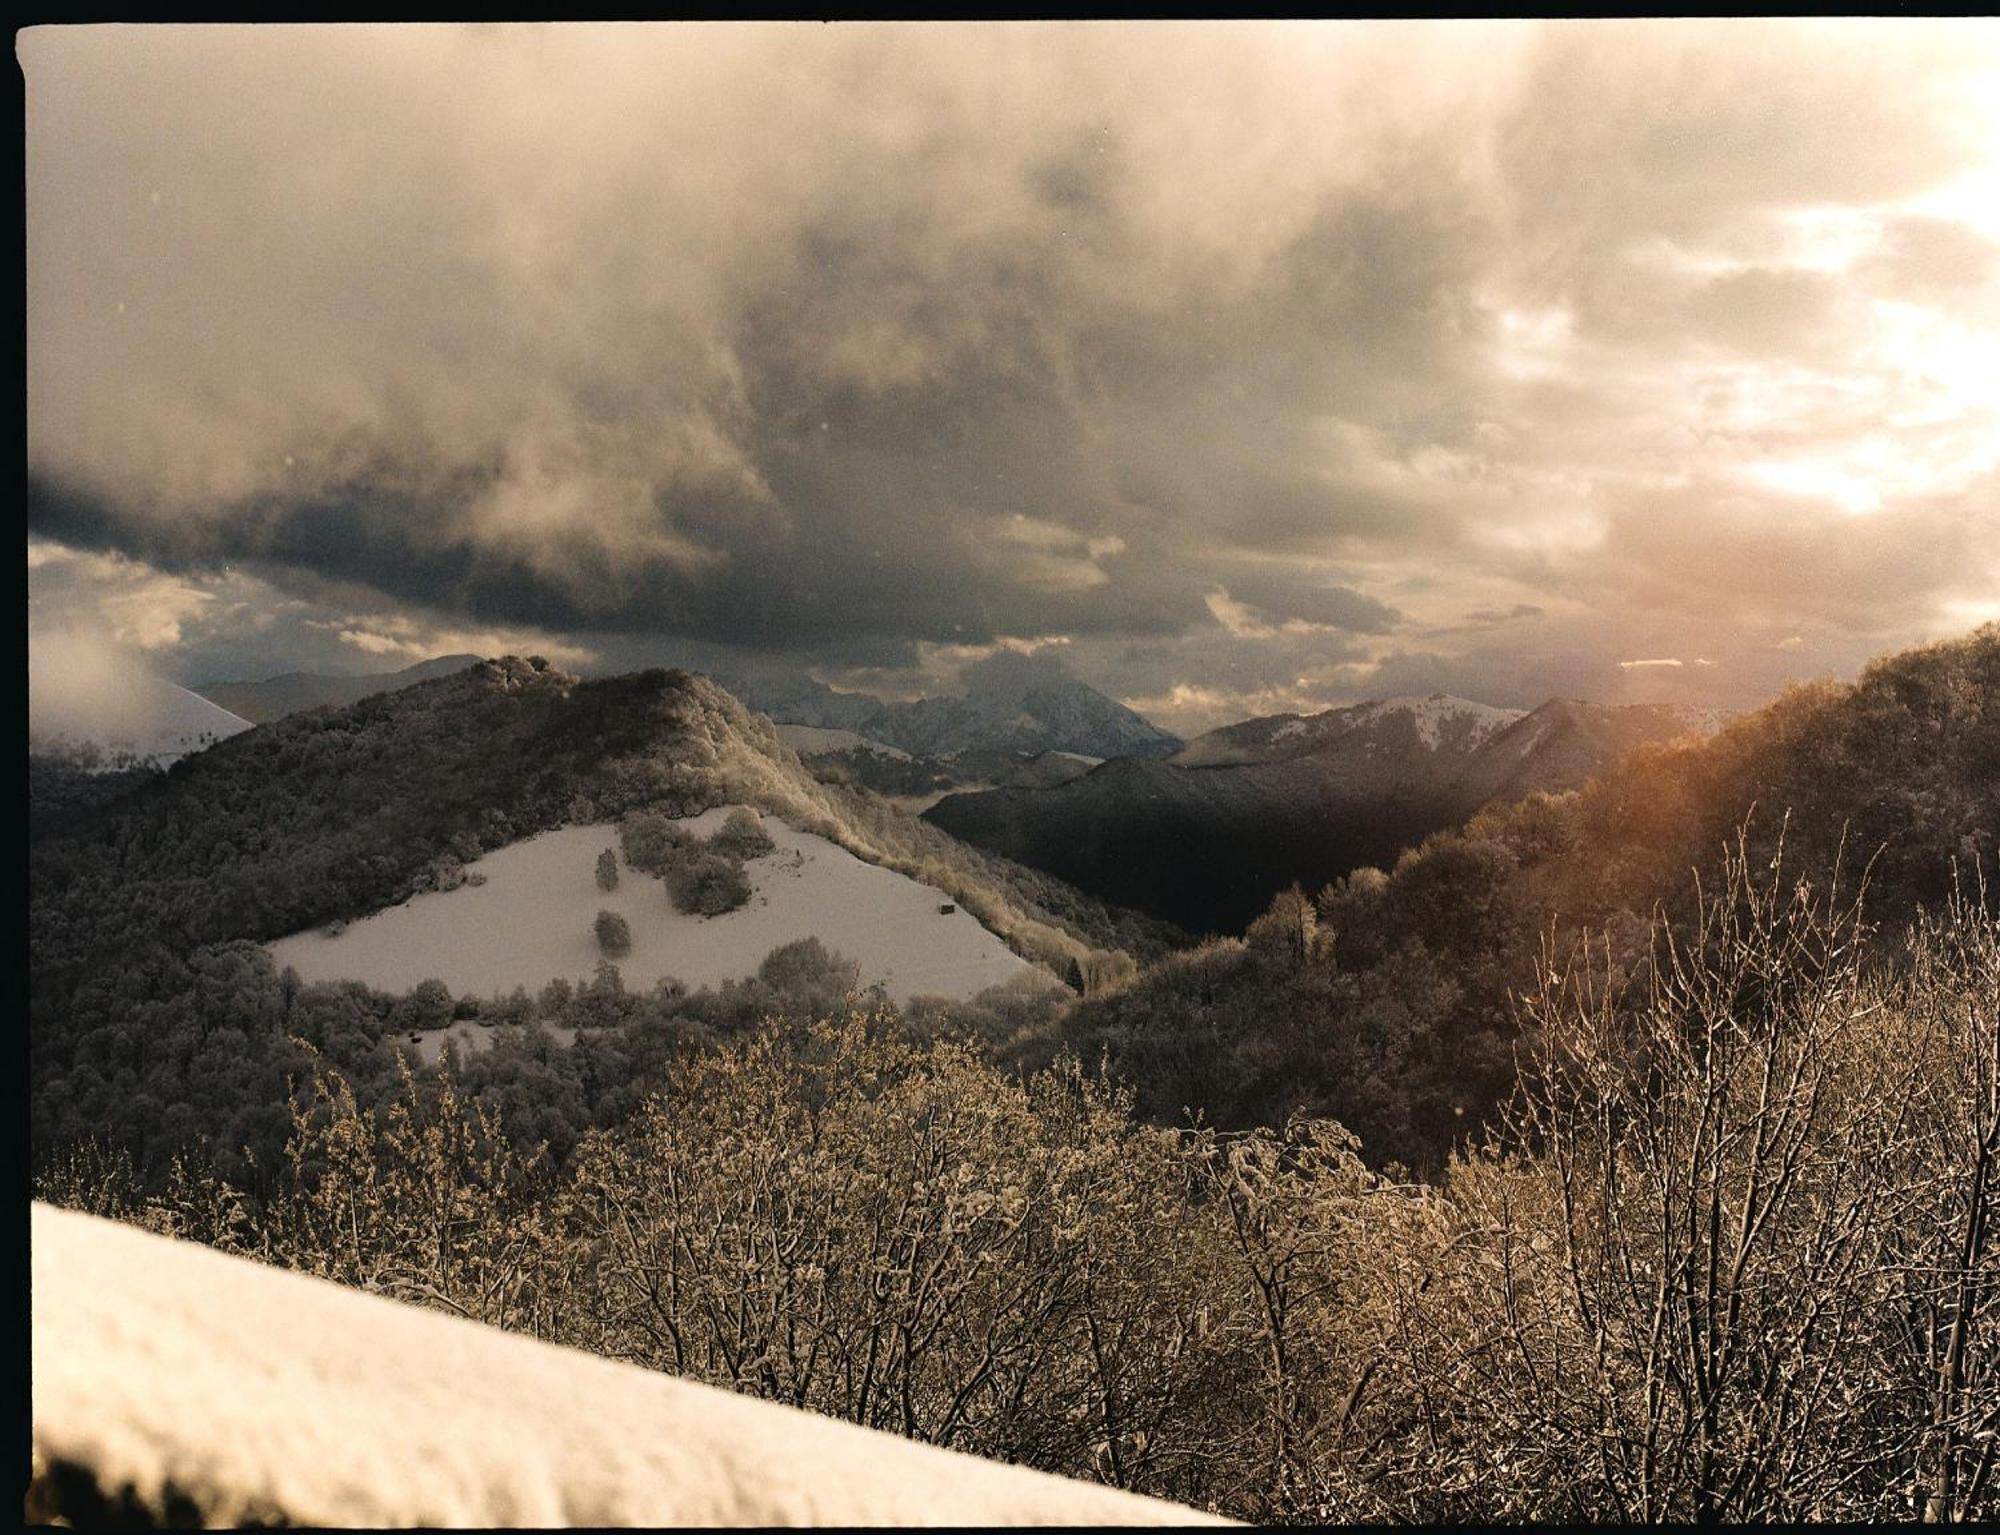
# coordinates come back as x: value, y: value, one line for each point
x: 261, y: 1394
x: 530, y: 923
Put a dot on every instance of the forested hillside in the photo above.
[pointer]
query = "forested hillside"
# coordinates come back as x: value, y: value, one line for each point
x: 1731, y: 1256
x: 1388, y: 1000
x: 1205, y: 839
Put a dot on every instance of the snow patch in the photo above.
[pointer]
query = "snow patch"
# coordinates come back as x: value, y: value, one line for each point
x: 256, y: 1392
x: 530, y: 923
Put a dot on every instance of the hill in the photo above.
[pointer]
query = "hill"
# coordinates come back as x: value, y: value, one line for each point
x: 1205, y: 837
x: 917, y: 783
x: 152, y: 1008
x: 522, y: 917
x: 276, y: 697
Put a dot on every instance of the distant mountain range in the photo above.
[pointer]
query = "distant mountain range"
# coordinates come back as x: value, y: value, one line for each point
x: 1026, y: 710
x: 1206, y: 837
x: 276, y: 697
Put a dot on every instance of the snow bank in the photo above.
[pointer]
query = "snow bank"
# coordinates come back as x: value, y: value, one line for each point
x: 529, y: 923
x: 258, y: 1393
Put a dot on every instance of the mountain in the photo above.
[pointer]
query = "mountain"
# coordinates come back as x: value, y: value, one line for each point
x: 1206, y: 837
x: 1566, y: 743
x: 1025, y: 710
x: 138, y: 720
x: 276, y: 697
x: 791, y: 698
x: 1439, y: 722
x: 1011, y: 704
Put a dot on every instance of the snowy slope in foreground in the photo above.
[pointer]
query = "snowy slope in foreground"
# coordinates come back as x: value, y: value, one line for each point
x: 259, y: 1393
x: 530, y: 923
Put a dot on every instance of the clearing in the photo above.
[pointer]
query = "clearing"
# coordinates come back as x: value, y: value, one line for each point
x: 530, y: 923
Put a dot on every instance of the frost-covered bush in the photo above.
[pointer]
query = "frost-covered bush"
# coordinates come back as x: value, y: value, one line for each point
x: 806, y: 967
x: 742, y: 835
x: 614, y: 934
x: 651, y: 840
x: 706, y: 884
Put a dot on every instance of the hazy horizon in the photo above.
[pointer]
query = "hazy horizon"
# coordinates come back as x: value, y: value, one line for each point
x: 1233, y: 368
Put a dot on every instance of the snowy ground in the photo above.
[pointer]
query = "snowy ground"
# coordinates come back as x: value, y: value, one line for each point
x: 470, y: 1038
x: 530, y: 922
x: 260, y: 1394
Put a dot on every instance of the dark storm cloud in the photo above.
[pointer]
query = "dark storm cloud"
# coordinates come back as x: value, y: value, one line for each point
x: 1242, y: 359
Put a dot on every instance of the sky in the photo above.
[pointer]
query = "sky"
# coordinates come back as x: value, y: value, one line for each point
x: 1232, y: 368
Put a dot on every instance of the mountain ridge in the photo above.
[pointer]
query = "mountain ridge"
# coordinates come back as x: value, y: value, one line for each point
x: 289, y: 692
x: 1030, y: 711
x: 1206, y: 837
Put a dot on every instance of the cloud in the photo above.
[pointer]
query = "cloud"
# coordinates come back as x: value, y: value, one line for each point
x: 1234, y: 354
x: 124, y: 602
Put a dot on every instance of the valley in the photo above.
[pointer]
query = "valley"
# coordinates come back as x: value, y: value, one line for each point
x: 1206, y: 837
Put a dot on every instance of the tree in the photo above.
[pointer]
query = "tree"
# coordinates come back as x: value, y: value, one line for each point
x: 806, y: 967
x: 1733, y: 1258
x: 1102, y: 969
x: 607, y: 870
x: 614, y: 934
x: 1286, y: 928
